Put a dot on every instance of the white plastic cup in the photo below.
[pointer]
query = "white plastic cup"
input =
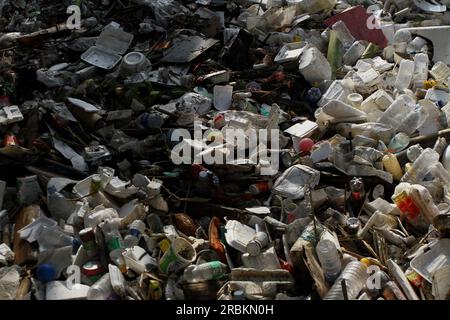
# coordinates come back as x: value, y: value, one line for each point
x: 223, y: 97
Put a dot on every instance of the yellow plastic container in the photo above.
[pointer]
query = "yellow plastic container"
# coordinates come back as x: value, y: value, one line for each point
x: 391, y: 165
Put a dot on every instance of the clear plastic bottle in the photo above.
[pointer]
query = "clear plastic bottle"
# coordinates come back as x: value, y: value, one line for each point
x: 355, y: 275
x: 421, y: 62
x: 206, y: 271
x: 405, y: 75
x: 414, y: 152
x: 343, y: 34
x: 117, y: 280
x: 135, y: 229
x: 329, y: 259
x: 101, y: 290
x: 421, y: 166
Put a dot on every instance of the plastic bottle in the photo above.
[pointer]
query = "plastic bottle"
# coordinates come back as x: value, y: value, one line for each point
x: 135, y: 229
x: 114, y: 242
x: 87, y: 237
x: 421, y: 166
x: 446, y: 158
x: 421, y: 61
x: 355, y: 275
x: 399, y: 142
x: 213, y: 270
x: 440, y: 146
x: 414, y: 152
x: 405, y: 74
x: 357, y: 189
x: 396, y: 113
x: 118, y: 282
x: 329, y: 259
x: 101, y: 290
x: 391, y: 165
x: 378, y: 220
x: 343, y: 34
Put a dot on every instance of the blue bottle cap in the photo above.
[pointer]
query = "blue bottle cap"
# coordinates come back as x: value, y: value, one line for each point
x: 46, y: 273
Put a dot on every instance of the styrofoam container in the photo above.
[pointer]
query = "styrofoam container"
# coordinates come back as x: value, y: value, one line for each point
x: 436, y: 257
x: 109, y: 48
x: 58, y: 290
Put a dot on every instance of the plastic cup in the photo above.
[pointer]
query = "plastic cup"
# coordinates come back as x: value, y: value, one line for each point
x: 179, y: 255
x: 355, y: 100
x: 132, y: 63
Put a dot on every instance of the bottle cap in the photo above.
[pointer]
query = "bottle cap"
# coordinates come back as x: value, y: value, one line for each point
x: 46, y: 273
x: 254, y: 248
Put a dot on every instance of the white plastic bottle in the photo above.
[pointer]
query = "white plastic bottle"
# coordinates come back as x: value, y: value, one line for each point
x: 405, y: 75
x: 355, y: 275
x: 206, y: 271
x: 329, y: 259
x: 135, y: 230
x: 101, y: 290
